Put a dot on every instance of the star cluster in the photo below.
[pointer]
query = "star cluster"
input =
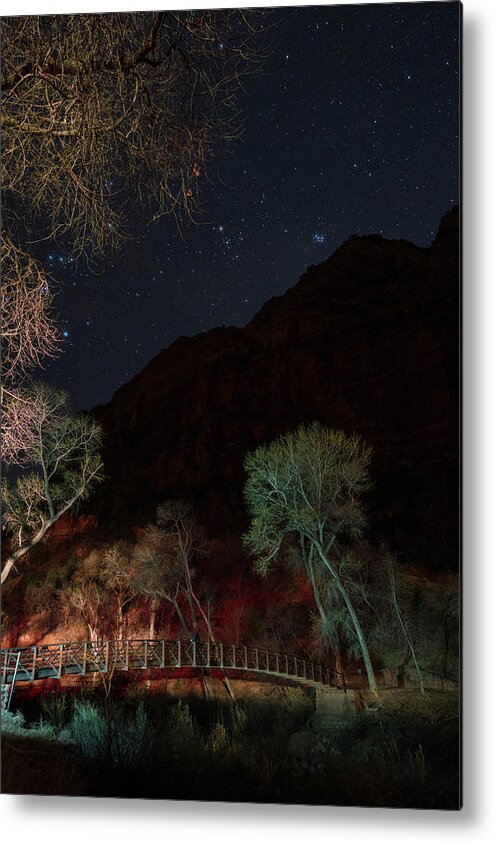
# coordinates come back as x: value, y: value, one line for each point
x: 352, y: 127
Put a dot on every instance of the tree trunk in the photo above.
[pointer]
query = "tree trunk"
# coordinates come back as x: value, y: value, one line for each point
x: 312, y: 579
x: 152, y: 618
x: 404, y: 629
x: 211, y: 635
x: 371, y: 678
x: 120, y: 622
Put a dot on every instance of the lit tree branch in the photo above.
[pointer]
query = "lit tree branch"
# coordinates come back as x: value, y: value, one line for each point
x: 63, y: 453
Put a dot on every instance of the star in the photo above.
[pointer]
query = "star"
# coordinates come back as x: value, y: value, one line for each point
x: 318, y: 238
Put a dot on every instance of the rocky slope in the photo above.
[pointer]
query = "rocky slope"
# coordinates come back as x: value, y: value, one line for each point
x: 366, y: 341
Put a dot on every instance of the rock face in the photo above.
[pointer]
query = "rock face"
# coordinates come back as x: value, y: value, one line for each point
x: 366, y: 341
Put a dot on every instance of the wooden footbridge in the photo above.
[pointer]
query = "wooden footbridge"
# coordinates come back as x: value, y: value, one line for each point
x: 55, y: 660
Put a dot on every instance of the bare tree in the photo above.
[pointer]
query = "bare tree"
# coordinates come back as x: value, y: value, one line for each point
x: 101, y: 112
x: 117, y: 574
x: 87, y: 598
x: 159, y: 574
x: 60, y: 455
x: 29, y: 332
x: 175, y: 520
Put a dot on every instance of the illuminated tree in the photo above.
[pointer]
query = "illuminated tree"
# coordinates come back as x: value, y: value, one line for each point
x: 305, y: 489
x: 117, y: 574
x: 60, y: 457
x: 88, y: 598
x: 159, y: 574
x: 164, y: 558
x: 104, y: 112
x: 29, y: 332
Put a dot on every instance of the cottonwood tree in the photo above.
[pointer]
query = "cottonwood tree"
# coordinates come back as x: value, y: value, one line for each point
x: 59, y: 457
x: 29, y: 332
x: 88, y: 598
x: 306, y: 489
x: 117, y: 574
x: 102, y: 113
x: 165, y: 554
x: 165, y: 567
x: 159, y: 574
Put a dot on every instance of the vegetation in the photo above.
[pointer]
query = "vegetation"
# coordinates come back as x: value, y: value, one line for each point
x: 102, y: 113
x: 60, y: 457
x: 195, y: 749
x: 304, y: 492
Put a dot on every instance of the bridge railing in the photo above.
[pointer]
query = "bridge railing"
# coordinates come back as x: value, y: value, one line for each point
x: 56, y: 659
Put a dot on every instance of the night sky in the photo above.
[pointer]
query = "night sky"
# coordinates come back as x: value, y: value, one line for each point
x: 351, y: 128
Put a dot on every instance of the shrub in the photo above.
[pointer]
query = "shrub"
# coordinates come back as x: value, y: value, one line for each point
x: 57, y: 707
x: 125, y: 741
x: 89, y: 731
x: 183, y: 732
x: 12, y: 723
x: 15, y: 724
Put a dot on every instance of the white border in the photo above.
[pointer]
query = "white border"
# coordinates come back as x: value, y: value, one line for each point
x: 50, y: 818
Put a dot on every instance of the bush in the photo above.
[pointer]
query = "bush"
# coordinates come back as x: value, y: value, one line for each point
x: 183, y: 732
x: 12, y: 723
x: 15, y: 724
x: 58, y: 708
x: 125, y: 741
x: 89, y: 732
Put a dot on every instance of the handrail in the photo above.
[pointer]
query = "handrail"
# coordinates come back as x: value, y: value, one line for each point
x: 53, y: 660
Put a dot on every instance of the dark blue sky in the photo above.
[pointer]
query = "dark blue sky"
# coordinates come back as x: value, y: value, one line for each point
x: 351, y: 128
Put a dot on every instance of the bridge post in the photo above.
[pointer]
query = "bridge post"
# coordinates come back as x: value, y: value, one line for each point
x: 222, y: 663
x: 35, y: 655
x: 127, y: 654
x: 208, y: 650
x: 277, y: 662
x: 84, y: 658
x: 162, y: 653
x: 60, y: 661
x: 257, y: 659
x: 145, y: 654
x: 194, y: 654
x: 179, y: 653
x: 234, y: 656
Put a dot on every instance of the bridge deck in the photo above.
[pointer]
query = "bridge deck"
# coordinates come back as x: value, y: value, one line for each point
x: 58, y: 659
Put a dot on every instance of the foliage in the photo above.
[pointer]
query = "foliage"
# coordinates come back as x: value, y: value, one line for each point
x: 183, y: 732
x: 122, y: 740
x: 304, y: 492
x: 12, y: 723
x: 15, y: 724
x: 58, y: 708
x: 217, y: 751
